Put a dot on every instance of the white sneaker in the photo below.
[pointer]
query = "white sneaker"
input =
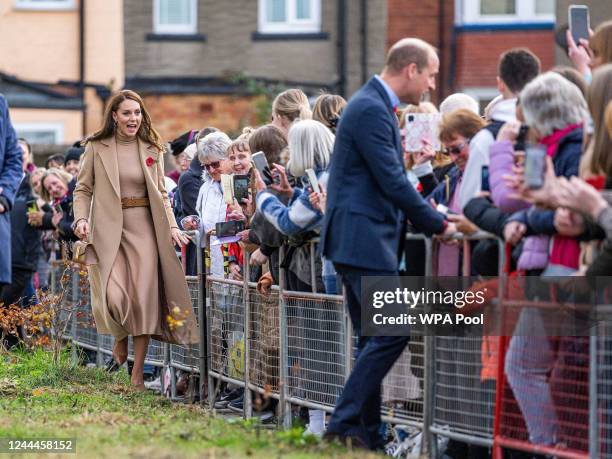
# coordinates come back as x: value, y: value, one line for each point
x: 317, y: 434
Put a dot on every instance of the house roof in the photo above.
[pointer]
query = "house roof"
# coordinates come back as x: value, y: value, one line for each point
x: 30, y: 94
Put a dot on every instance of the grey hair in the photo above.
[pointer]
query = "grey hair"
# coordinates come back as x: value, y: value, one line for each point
x: 551, y: 102
x: 213, y: 147
x: 310, y: 146
x: 457, y: 101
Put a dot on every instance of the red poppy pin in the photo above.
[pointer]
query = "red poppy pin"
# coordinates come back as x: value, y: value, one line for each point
x: 150, y: 161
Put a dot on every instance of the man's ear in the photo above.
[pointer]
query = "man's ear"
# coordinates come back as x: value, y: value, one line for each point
x: 410, y: 71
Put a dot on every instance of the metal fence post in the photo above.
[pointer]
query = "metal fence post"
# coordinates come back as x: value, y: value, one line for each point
x: 285, y: 406
x: 202, y: 318
x: 429, y: 445
x: 74, y: 318
x: 248, y: 396
x: 593, y: 396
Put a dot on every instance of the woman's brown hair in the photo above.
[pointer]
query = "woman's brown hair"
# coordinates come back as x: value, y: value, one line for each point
x: 599, y: 96
x: 146, y: 132
x: 462, y: 122
x: 327, y: 110
x: 270, y: 140
x: 601, y: 42
x: 292, y: 104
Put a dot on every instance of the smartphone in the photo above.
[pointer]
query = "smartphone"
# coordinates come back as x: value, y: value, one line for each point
x: 535, y: 164
x: 230, y: 228
x: 314, y: 182
x: 32, y: 206
x: 521, y: 138
x: 442, y: 209
x: 578, y: 20
x: 261, y: 164
x: 241, y: 187
x: 484, y: 179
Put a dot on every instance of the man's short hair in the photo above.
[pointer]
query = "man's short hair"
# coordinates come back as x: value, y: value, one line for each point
x: 408, y: 51
x: 517, y: 67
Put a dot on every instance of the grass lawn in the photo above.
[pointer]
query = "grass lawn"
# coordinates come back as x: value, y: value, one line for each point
x: 109, y: 419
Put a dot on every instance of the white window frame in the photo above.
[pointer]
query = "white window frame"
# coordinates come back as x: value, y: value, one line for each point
x: 525, y: 13
x: 292, y: 24
x: 181, y: 29
x: 56, y: 128
x: 58, y: 5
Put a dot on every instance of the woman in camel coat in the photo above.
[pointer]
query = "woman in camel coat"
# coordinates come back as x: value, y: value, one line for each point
x: 121, y: 208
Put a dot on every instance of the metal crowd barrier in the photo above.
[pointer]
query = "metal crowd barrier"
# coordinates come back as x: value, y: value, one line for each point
x: 297, y: 348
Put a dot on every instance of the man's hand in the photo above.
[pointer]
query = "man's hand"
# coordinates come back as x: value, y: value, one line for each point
x: 244, y: 235
x: 514, y: 232
x: 462, y: 223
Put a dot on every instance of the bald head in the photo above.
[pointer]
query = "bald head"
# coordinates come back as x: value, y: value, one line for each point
x: 408, y: 51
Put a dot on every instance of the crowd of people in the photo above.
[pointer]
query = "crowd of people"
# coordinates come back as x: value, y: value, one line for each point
x: 372, y: 189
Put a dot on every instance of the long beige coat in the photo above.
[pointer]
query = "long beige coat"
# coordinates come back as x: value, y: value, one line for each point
x: 97, y: 198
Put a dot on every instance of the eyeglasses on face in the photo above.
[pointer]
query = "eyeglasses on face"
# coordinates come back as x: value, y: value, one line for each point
x: 213, y: 165
x: 456, y: 150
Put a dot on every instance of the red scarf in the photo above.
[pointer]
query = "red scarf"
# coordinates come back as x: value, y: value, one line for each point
x: 565, y: 250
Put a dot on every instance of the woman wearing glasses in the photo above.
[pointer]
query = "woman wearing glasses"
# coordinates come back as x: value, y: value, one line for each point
x: 455, y: 131
x: 122, y: 209
x: 211, y: 208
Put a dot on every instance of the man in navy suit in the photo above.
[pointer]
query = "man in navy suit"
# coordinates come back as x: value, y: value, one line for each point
x: 369, y: 199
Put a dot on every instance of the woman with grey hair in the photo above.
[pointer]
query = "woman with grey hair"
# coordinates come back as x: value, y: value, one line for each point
x: 211, y: 208
x: 555, y: 111
x: 310, y: 147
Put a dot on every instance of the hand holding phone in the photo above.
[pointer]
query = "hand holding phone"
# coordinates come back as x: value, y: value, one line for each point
x: 535, y: 166
x: 579, y: 22
x: 313, y: 181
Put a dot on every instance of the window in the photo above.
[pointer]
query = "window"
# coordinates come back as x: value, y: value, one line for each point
x: 175, y: 17
x: 289, y: 16
x: 508, y: 11
x: 45, y: 4
x: 41, y: 133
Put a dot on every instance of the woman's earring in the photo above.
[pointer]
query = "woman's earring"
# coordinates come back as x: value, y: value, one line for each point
x: 115, y: 124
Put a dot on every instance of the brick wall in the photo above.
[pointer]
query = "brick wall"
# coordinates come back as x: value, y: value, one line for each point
x: 421, y: 19
x: 174, y: 114
x: 478, y: 53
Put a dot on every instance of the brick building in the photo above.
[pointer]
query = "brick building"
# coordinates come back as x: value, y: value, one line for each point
x: 209, y: 62
x: 471, y: 34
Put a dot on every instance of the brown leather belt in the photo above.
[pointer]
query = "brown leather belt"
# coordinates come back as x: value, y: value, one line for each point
x: 134, y: 202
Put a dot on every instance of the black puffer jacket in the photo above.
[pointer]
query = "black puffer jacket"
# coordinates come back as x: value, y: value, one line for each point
x: 26, y: 244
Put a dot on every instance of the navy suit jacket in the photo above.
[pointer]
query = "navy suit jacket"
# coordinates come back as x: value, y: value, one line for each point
x: 369, y: 195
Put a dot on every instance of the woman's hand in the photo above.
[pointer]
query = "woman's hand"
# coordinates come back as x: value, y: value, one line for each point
x: 318, y: 200
x: 81, y: 229
x: 579, y: 53
x: 257, y: 258
x: 236, y: 212
x: 514, y: 232
x: 568, y: 223
x: 283, y: 187
x: 235, y: 271
x: 578, y: 195
x: 427, y: 153
x: 260, y: 185
x: 36, y: 218
x: 57, y: 218
x: 179, y: 238
x: 509, y: 131
x: 244, y: 235
x: 547, y: 196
